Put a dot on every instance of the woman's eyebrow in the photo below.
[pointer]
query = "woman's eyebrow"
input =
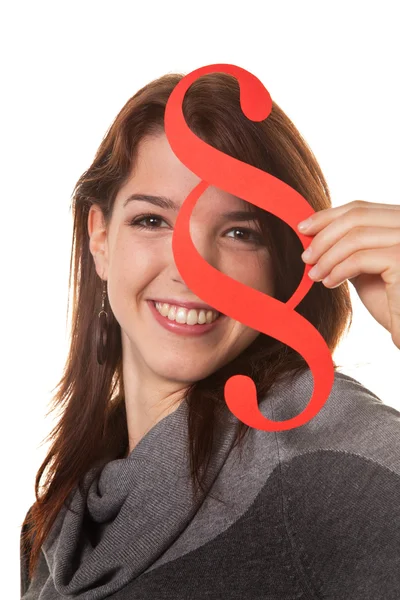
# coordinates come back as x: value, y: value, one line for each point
x: 168, y: 204
x: 161, y: 201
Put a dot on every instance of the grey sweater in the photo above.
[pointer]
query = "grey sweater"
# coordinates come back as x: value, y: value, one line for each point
x: 307, y: 514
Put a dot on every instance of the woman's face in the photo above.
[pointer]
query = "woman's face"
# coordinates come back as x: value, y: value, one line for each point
x: 139, y: 266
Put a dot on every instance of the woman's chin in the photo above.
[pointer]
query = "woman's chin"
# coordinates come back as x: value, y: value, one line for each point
x: 191, y: 375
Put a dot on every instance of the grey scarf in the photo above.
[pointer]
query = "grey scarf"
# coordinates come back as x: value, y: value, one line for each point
x: 134, y: 510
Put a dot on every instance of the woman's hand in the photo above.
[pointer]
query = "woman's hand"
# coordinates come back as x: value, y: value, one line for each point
x: 360, y: 241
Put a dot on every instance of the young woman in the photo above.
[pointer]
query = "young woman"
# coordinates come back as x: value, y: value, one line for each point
x: 154, y: 489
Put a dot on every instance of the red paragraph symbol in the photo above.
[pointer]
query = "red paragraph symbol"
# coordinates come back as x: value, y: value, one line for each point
x: 241, y: 302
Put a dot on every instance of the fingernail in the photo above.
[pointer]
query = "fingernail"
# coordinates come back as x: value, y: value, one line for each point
x: 306, y: 254
x: 314, y: 272
x: 304, y: 225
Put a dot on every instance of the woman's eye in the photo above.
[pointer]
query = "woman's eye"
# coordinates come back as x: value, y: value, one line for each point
x: 151, y: 220
x: 246, y: 232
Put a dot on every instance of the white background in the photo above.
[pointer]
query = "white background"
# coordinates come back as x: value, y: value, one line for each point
x: 67, y: 70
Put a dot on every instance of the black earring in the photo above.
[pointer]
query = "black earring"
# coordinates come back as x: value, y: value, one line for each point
x: 102, y: 331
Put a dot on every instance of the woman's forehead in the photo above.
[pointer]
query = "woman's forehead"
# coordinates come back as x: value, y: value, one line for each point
x: 158, y: 172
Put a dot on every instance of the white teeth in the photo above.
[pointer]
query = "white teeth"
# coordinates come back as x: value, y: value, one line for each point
x: 209, y: 316
x: 171, y: 313
x: 183, y: 315
x: 202, y: 317
x: 164, y: 309
x: 193, y: 317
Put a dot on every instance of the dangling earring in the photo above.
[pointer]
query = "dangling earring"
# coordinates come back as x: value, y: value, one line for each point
x: 102, y: 331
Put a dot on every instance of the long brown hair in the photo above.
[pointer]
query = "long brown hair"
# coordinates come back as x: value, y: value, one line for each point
x: 92, y: 428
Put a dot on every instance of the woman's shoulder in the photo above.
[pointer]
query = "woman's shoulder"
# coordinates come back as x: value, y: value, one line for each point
x: 30, y: 588
x: 26, y: 542
x: 353, y: 420
x: 340, y: 484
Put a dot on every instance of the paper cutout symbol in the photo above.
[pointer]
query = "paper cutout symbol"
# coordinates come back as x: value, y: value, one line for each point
x: 243, y: 303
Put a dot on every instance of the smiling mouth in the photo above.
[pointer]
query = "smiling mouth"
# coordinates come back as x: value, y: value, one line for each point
x: 184, y: 316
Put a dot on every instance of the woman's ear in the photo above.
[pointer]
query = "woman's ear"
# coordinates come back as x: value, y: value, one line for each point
x: 98, y: 239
